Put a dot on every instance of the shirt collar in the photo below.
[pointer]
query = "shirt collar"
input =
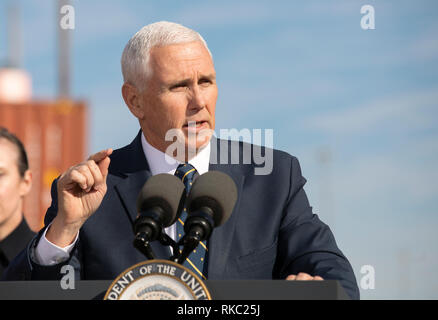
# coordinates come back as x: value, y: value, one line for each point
x: 16, y: 240
x: 160, y: 162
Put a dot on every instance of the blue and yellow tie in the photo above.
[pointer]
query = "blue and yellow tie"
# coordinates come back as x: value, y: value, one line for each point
x: 196, y: 260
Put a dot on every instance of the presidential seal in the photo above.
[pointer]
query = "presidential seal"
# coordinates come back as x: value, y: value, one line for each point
x: 157, y: 280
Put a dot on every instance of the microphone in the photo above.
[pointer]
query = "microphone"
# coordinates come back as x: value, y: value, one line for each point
x: 209, y: 205
x: 159, y: 204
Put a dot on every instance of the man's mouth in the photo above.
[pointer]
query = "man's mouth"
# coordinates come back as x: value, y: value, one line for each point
x: 195, y: 126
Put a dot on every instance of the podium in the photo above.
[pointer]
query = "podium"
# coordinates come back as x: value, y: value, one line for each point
x: 219, y: 289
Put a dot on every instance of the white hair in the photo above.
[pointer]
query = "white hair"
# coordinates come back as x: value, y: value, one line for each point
x: 135, y: 57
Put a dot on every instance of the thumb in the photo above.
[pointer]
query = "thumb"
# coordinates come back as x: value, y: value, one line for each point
x: 104, y: 163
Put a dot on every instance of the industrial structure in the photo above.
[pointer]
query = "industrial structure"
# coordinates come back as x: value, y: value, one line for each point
x: 54, y: 132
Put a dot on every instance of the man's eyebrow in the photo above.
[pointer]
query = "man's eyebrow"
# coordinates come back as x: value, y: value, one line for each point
x: 185, y: 82
x: 177, y: 83
x: 210, y: 76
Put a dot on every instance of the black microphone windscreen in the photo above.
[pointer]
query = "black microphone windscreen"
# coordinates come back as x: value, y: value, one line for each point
x: 165, y: 191
x: 215, y: 190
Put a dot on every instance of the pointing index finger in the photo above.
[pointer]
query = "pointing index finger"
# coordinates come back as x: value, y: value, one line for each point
x: 99, y: 156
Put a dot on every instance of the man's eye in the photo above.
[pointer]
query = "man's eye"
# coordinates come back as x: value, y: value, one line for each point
x: 204, y: 82
x: 177, y: 86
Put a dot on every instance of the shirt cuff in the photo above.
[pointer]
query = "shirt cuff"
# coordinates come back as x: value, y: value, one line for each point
x: 49, y: 254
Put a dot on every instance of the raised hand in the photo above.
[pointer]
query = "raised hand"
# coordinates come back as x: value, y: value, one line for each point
x: 80, y: 192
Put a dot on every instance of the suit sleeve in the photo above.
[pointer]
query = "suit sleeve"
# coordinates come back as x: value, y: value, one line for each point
x: 306, y: 244
x: 24, y: 267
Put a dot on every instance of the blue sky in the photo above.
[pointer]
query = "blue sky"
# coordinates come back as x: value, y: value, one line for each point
x: 367, y: 98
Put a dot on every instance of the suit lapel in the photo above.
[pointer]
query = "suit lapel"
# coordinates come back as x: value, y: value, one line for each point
x: 134, y: 167
x: 131, y: 163
x: 128, y: 190
x: 219, y: 245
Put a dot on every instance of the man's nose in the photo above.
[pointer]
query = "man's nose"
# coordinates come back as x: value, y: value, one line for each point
x: 197, y: 100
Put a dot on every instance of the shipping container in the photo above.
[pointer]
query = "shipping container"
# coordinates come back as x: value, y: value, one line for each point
x: 55, y: 137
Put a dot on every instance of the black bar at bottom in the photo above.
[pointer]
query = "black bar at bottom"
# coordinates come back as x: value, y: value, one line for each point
x: 219, y: 289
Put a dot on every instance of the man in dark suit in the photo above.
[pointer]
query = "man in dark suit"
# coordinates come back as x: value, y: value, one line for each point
x: 170, y: 84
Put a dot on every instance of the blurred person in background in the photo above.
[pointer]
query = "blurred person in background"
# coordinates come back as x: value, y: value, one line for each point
x: 15, y: 184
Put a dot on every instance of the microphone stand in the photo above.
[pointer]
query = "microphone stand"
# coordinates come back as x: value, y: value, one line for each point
x: 165, y: 240
x: 190, y: 241
x: 143, y: 245
x: 199, y: 228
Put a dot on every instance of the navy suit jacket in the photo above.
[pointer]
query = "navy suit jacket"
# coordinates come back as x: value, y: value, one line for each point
x: 271, y: 233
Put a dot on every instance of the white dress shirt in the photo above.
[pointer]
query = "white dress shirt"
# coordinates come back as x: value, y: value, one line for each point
x: 47, y: 253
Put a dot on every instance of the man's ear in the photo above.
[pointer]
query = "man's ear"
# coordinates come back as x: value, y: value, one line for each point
x: 132, y: 98
x: 26, y: 183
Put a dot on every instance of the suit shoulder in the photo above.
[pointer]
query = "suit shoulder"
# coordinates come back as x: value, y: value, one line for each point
x: 119, y: 156
x: 263, y: 160
x: 128, y: 159
x: 278, y: 156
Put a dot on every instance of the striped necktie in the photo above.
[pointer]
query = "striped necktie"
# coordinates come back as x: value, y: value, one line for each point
x: 196, y: 260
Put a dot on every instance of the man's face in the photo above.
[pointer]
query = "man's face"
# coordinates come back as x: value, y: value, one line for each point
x: 181, y: 89
x: 12, y: 185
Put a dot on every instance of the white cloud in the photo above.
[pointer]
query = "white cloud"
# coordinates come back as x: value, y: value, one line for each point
x: 375, y: 181
x: 410, y: 111
x: 385, y: 205
x: 425, y: 46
